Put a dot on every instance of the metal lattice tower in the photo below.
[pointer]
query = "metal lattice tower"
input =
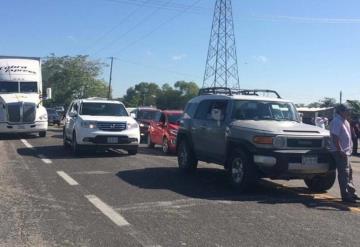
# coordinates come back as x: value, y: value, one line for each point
x: 221, y: 63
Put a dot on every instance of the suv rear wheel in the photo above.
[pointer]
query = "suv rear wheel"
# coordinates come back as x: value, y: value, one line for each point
x: 65, y: 141
x: 42, y: 134
x: 242, y: 172
x: 321, y: 183
x: 186, y: 158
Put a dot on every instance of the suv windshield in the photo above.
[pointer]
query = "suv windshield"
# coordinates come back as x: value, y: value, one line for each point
x: 146, y: 114
x: 264, y: 110
x: 174, y: 118
x: 103, y: 109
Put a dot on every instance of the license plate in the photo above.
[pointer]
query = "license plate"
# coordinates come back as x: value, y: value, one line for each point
x: 112, y: 140
x: 309, y: 160
x: 21, y: 127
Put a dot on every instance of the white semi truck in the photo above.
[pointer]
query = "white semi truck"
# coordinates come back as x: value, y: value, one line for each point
x: 21, y: 109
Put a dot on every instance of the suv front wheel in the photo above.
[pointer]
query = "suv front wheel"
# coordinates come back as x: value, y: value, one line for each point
x: 242, y: 172
x: 186, y: 159
x: 321, y: 183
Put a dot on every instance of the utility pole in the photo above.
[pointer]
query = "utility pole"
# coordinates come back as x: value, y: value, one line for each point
x: 341, y: 96
x: 110, y: 78
x: 221, y: 63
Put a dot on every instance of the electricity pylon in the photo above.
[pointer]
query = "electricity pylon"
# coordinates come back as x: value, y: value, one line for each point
x: 221, y: 63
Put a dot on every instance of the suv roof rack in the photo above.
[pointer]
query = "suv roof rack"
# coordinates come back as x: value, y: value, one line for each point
x: 231, y: 92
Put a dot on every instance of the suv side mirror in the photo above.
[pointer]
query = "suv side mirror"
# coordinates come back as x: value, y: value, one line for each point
x: 133, y: 115
x: 73, y: 114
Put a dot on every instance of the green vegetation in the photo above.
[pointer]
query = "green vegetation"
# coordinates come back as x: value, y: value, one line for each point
x: 71, y: 78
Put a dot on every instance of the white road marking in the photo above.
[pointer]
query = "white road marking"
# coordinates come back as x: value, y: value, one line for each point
x: 67, y: 178
x: 26, y: 143
x: 108, y: 211
x: 44, y: 159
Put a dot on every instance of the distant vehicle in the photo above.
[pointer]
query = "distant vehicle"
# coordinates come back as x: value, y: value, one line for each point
x: 144, y: 116
x: 21, y: 109
x: 100, y: 124
x: 163, y: 130
x: 53, y: 116
x: 253, y: 137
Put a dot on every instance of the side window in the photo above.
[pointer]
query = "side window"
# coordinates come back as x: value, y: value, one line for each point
x: 206, y: 108
x: 190, y: 110
x: 162, y: 118
x: 202, y: 110
x: 157, y: 117
x: 70, y: 108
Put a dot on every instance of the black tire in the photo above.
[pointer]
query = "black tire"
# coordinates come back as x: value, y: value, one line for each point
x: 241, y: 171
x: 75, y: 147
x: 165, y: 146
x: 321, y: 183
x: 65, y: 141
x: 42, y: 134
x: 187, y: 161
x: 132, y: 152
x: 150, y: 144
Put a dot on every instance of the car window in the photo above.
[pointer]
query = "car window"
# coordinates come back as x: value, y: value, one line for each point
x: 205, y: 108
x: 147, y: 114
x: 174, y: 118
x: 190, y: 110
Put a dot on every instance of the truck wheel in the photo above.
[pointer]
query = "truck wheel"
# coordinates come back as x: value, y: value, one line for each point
x: 42, y: 133
x: 241, y: 170
x: 165, y: 146
x: 321, y: 183
x: 76, y: 149
x: 150, y: 144
x: 132, y: 152
x: 186, y: 158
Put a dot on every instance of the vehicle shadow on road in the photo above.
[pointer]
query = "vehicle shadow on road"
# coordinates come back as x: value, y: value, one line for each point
x: 9, y: 137
x: 212, y: 184
x: 58, y: 152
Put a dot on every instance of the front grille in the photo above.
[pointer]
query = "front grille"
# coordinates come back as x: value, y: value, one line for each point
x: 111, y: 126
x: 14, y: 112
x: 29, y: 113
x: 304, y: 143
x: 21, y: 112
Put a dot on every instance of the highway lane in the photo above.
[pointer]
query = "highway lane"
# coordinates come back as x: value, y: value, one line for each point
x: 113, y: 199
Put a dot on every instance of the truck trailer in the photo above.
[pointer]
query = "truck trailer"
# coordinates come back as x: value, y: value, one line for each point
x: 21, y: 109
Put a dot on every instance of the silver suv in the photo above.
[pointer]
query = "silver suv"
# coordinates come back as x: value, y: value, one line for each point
x: 253, y: 136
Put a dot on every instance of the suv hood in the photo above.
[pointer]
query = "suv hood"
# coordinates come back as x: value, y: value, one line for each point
x: 280, y: 127
x: 19, y: 97
x: 107, y: 119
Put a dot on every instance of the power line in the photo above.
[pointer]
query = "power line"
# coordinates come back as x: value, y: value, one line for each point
x: 143, y: 20
x: 158, y: 27
x: 123, y: 20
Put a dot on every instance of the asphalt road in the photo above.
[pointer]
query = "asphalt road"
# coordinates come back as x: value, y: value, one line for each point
x: 50, y: 198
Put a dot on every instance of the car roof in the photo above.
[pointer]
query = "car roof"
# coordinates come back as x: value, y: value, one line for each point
x: 237, y: 97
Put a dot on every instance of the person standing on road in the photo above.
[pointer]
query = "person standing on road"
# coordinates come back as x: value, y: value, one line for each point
x: 354, y: 135
x: 341, y: 148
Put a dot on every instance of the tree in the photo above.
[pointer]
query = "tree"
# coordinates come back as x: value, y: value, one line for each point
x: 73, y: 77
x: 142, y: 94
x: 355, y: 108
x: 324, y: 103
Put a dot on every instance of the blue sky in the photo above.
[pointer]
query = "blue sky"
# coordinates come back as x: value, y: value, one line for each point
x: 305, y: 49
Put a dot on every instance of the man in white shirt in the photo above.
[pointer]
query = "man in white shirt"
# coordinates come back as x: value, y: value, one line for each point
x: 321, y: 122
x: 341, y: 149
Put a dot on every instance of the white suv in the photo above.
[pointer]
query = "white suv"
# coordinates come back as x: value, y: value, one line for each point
x: 100, y: 124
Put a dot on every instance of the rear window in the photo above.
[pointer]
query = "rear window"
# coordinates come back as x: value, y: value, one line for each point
x: 146, y: 114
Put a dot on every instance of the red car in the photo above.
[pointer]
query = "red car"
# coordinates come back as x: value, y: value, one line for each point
x: 163, y: 130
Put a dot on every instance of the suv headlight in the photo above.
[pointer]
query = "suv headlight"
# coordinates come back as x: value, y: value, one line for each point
x: 280, y: 141
x: 88, y: 124
x: 132, y: 125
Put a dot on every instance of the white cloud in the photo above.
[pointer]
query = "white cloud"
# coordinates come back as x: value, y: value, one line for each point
x: 71, y: 38
x: 261, y: 59
x: 179, y: 57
